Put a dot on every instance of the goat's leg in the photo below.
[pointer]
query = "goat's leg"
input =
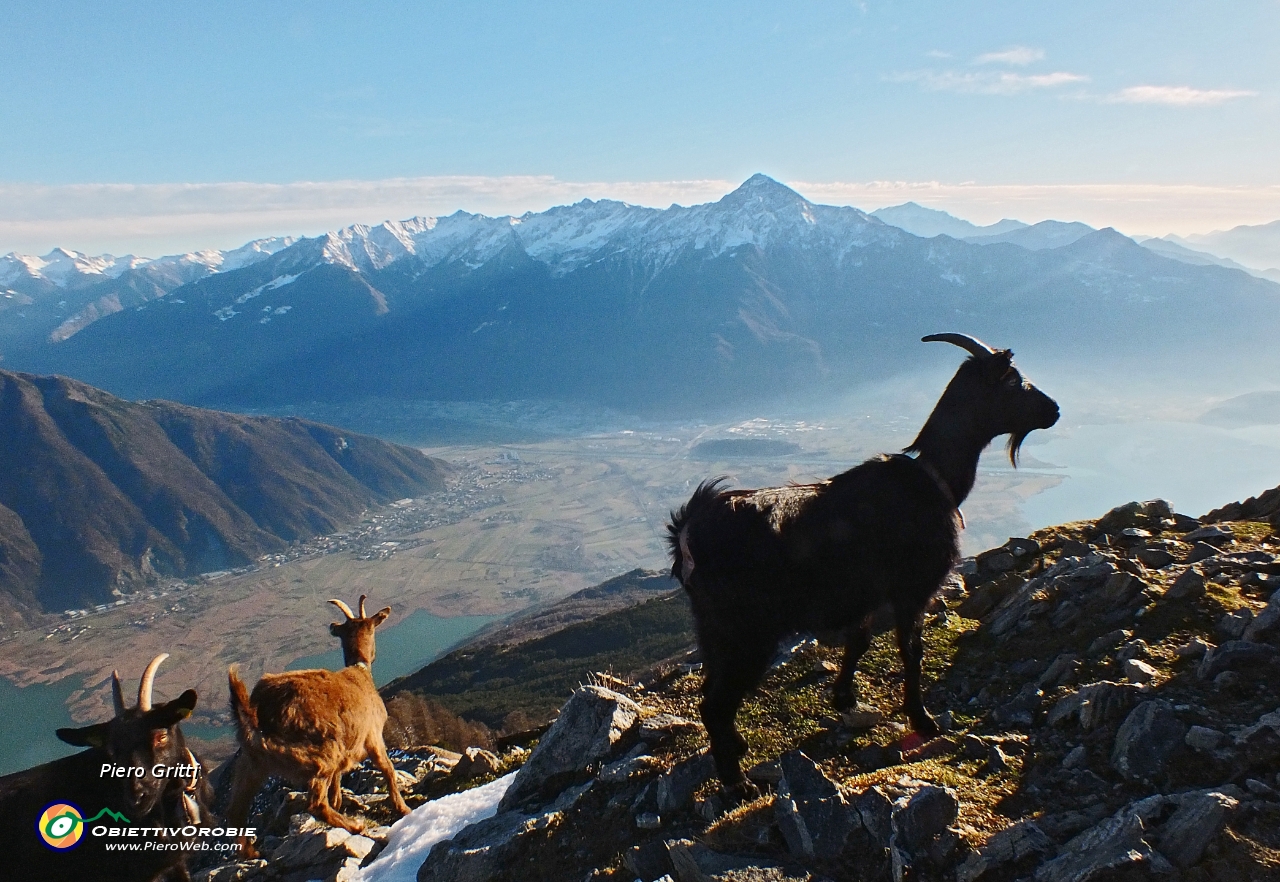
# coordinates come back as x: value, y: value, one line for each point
x: 911, y: 648
x: 320, y: 808
x: 727, y: 682
x: 335, y: 791
x: 248, y: 781
x: 378, y: 751
x: 857, y: 643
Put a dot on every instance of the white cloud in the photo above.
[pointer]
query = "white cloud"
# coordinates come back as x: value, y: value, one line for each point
x: 155, y: 219
x: 1015, y: 55
x: 988, y: 82
x: 1177, y: 96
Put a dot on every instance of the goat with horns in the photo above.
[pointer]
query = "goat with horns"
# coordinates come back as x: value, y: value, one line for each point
x: 822, y: 558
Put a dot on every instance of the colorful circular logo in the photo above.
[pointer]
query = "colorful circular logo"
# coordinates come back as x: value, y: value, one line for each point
x: 61, y: 825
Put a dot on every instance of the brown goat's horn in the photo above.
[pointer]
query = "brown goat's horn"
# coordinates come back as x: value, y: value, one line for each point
x: 117, y: 694
x: 362, y: 599
x: 972, y: 345
x: 148, y: 679
x: 346, y: 610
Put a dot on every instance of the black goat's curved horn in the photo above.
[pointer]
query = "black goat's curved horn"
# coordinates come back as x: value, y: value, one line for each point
x: 148, y: 679
x: 972, y: 345
x: 117, y: 694
x: 346, y: 610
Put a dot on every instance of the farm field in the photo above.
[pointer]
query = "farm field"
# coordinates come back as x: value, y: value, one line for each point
x: 526, y: 523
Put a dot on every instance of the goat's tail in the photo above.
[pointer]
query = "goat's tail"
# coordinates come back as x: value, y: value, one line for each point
x: 707, y: 495
x: 245, y: 716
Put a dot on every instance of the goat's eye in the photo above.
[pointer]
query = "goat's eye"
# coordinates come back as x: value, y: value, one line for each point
x: 1013, y: 382
x: 160, y: 737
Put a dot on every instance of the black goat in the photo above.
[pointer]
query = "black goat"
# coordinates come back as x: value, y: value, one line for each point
x: 145, y: 739
x: 822, y: 558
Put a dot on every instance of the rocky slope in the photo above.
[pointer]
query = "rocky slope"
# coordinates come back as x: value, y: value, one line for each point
x: 1109, y: 691
x: 99, y: 495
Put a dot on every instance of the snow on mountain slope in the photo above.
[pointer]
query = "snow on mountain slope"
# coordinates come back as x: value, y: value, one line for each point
x: 760, y: 213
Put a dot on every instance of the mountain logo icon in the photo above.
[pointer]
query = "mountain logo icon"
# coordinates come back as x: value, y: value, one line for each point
x: 61, y: 824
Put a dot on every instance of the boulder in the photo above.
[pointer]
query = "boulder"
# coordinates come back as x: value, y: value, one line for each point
x: 675, y: 789
x: 1114, y: 845
x: 1266, y: 624
x: 1212, y: 534
x: 589, y: 727
x: 813, y: 816
x: 922, y: 813
x: 1094, y: 704
x: 1232, y: 655
x: 1197, y: 822
x: 1188, y: 586
x: 474, y: 763
x: 1203, y: 738
x: 1146, y: 740
x: 1007, y: 848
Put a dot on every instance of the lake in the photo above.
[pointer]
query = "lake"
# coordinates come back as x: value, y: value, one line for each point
x: 1195, y: 467
x: 31, y: 714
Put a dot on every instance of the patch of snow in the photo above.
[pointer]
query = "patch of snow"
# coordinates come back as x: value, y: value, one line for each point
x: 277, y: 282
x: 225, y: 313
x: 281, y: 310
x: 413, y: 836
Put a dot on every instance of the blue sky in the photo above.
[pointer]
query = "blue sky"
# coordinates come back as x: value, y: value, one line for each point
x: 630, y: 100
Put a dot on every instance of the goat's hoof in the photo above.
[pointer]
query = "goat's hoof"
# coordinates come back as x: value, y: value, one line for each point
x: 844, y: 699
x: 926, y: 728
x: 743, y: 791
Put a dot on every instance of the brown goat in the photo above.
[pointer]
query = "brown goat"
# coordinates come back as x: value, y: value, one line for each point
x: 309, y: 727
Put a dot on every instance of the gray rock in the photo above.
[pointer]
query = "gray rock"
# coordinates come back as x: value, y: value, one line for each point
x: 1204, y: 738
x: 1094, y: 704
x: 862, y: 716
x: 1021, y: 709
x: 649, y: 821
x: 478, y: 852
x: 813, y: 816
x: 630, y: 766
x: 474, y: 763
x: 1194, y: 648
x: 1266, y: 624
x: 1146, y: 739
x: 1232, y: 655
x: 590, y: 724
x: 1260, y: 788
x: 921, y: 814
x: 647, y: 861
x: 1154, y: 557
x: 767, y: 772
x: 1136, y: 671
x: 1213, y: 534
x: 1114, y: 844
x: 1201, y: 551
x: 1232, y: 625
x: 1010, y: 846
x: 661, y: 728
x: 1259, y: 744
x: 1196, y: 823
x: 676, y: 787
x: 309, y: 842
x: 1133, y: 649
x: 1109, y: 641
x: 1188, y: 586
x: 1076, y: 758
x: 1061, y: 670
x: 694, y: 862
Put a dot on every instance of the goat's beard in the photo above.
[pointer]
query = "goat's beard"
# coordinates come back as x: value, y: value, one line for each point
x: 1015, y: 444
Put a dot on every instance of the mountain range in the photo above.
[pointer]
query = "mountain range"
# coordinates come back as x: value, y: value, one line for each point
x: 99, y: 496
x: 747, y: 299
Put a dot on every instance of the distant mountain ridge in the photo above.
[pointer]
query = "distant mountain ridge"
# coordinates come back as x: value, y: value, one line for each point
x: 100, y: 495
x: 746, y: 299
x: 929, y: 222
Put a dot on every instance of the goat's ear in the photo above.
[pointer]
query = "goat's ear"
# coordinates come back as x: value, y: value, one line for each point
x: 89, y: 736
x: 997, y: 365
x: 335, y: 629
x: 172, y: 712
x: 380, y: 616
